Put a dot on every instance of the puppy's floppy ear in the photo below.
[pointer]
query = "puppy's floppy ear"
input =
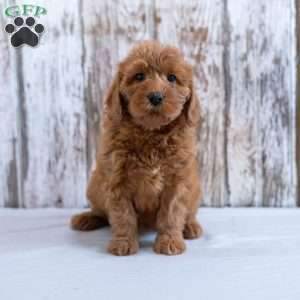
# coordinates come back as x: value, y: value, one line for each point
x: 193, y: 107
x: 113, y: 100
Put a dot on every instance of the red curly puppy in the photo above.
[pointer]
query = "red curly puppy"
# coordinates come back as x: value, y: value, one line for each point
x: 147, y: 171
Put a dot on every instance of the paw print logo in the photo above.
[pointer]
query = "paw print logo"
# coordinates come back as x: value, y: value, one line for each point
x: 24, y: 33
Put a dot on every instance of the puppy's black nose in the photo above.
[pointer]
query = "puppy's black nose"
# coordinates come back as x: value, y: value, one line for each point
x: 155, y: 98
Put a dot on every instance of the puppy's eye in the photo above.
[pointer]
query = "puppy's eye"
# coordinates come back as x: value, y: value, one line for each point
x: 139, y: 76
x: 171, y: 78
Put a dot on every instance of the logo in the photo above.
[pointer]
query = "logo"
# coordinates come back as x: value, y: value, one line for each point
x: 24, y: 30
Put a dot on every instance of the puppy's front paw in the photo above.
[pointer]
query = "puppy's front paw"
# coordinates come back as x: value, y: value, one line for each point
x: 169, y: 245
x: 123, y: 246
x: 192, y: 230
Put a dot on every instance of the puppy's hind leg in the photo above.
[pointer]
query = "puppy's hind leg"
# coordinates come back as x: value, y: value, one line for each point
x: 192, y: 229
x: 96, y: 217
x: 87, y: 221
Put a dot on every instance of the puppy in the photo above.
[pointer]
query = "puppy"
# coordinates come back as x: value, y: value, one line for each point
x: 147, y: 172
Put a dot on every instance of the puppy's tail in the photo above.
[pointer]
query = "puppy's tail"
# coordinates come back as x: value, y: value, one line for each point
x: 88, y: 221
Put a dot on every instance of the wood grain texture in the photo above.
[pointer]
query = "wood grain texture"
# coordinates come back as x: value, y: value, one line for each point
x: 99, y: 27
x: 297, y: 3
x: 9, y: 143
x: 244, y: 58
x: 110, y: 30
x: 135, y: 23
x: 261, y: 103
x: 197, y: 28
x: 54, y: 117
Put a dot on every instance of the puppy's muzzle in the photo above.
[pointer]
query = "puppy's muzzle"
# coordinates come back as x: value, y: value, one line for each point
x: 155, y: 98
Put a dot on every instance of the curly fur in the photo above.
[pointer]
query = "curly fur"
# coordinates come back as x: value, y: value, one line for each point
x: 147, y: 172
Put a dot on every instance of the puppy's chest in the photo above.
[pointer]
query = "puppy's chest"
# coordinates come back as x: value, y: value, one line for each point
x: 146, y: 177
x: 149, y: 167
x: 146, y: 169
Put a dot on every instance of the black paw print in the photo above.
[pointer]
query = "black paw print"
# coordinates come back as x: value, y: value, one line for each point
x: 24, y: 34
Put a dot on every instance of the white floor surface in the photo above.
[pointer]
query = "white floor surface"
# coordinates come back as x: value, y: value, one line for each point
x: 244, y: 254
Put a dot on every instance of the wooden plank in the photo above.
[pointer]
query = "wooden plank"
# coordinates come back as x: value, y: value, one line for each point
x: 197, y: 28
x: 110, y: 30
x: 243, y: 173
x: 261, y: 133
x: 278, y: 94
x: 9, y: 144
x: 297, y: 3
x: 245, y: 78
x: 100, y: 59
x: 54, y: 115
x: 135, y: 22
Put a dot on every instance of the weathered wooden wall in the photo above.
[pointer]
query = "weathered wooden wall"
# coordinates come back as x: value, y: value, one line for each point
x: 244, y: 55
x: 298, y: 100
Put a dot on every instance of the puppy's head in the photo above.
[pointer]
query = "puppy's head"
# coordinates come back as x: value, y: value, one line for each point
x: 154, y: 85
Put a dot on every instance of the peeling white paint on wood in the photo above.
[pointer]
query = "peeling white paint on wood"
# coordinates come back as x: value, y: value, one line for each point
x: 261, y: 104
x: 244, y: 56
x: 135, y: 21
x: 8, y: 119
x: 100, y: 60
x: 55, y: 118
